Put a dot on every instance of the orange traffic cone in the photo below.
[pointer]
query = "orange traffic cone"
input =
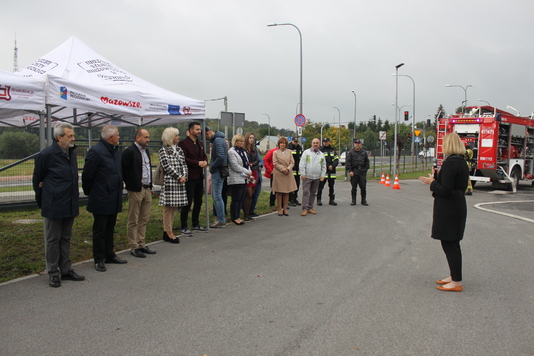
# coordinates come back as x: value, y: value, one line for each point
x: 382, y: 180
x: 396, y: 184
x: 387, y: 182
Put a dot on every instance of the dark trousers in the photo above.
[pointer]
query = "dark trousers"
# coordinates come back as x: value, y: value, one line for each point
x: 331, y: 182
x: 195, y: 189
x: 103, y: 229
x: 58, y: 233
x: 256, y: 194
x: 294, y: 195
x: 272, y: 197
x: 238, y: 192
x: 360, y: 180
x: 454, y: 258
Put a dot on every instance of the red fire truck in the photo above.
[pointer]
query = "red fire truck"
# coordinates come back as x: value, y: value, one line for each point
x: 502, y: 144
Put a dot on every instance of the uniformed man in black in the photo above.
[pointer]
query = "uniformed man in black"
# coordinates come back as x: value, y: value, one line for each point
x: 357, y: 166
x: 332, y: 161
x: 296, y: 151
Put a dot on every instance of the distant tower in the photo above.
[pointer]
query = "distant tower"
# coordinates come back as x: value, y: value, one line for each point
x: 16, y: 57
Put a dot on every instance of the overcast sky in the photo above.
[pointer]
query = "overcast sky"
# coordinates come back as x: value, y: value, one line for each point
x: 208, y: 49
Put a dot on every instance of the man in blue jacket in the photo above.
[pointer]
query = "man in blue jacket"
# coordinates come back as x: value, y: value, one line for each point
x: 219, y: 172
x: 55, y: 182
x: 102, y: 183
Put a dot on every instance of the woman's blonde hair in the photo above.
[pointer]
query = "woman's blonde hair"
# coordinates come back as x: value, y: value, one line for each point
x: 236, y: 138
x: 168, y: 135
x: 453, y: 145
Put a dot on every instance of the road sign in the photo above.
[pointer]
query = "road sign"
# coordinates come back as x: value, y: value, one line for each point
x: 299, y: 131
x: 300, y: 120
x: 430, y: 139
x: 416, y: 132
x: 382, y: 135
x: 417, y: 140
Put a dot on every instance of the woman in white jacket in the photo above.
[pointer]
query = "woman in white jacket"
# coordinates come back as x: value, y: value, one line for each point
x: 240, y: 172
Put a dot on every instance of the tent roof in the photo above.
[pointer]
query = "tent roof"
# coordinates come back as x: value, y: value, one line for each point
x: 19, y: 96
x: 78, y: 78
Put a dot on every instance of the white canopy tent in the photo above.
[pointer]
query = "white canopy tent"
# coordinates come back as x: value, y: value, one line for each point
x: 20, y: 99
x: 85, y: 89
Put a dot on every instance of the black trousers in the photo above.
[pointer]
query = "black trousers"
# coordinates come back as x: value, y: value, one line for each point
x: 238, y: 192
x: 454, y: 258
x: 294, y: 195
x: 103, y: 229
x: 359, y: 180
x: 195, y: 190
x: 331, y: 182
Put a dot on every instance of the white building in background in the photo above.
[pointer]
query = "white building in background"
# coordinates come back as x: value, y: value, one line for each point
x: 268, y: 143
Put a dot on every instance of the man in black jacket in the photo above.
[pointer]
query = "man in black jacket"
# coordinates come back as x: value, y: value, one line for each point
x: 55, y: 182
x: 102, y: 183
x: 296, y: 151
x: 332, y: 160
x: 357, y: 166
x: 137, y: 175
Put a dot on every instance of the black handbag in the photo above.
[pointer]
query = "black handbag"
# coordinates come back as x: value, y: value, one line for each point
x: 223, y: 170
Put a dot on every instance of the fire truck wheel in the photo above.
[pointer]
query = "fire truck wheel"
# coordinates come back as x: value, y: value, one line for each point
x: 515, y: 175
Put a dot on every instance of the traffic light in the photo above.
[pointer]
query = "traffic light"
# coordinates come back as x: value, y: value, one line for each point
x: 374, y: 119
x: 406, y: 116
x: 410, y: 137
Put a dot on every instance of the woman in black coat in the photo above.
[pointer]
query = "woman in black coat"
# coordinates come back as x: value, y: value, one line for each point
x: 450, y: 208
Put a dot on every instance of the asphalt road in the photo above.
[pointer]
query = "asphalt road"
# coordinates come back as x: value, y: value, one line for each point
x: 349, y: 281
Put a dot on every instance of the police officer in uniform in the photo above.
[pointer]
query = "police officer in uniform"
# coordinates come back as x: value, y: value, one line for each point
x: 296, y: 151
x: 357, y: 166
x: 332, y: 161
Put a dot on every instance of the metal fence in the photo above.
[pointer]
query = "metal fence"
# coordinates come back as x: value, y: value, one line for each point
x: 16, y: 189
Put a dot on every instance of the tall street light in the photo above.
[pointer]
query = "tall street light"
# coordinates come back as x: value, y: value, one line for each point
x: 484, y: 101
x: 413, y: 119
x: 396, y: 117
x: 354, y: 133
x: 269, y: 134
x: 339, y: 130
x: 465, y: 92
x: 300, y: 35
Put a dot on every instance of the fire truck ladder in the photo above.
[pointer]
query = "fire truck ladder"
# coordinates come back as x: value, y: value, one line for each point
x: 442, y: 131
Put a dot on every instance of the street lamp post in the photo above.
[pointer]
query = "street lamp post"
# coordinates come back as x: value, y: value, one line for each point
x: 354, y: 133
x: 464, y: 89
x: 413, y: 117
x: 396, y: 117
x: 269, y: 134
x: 339, y: 130
x: 300, y: 35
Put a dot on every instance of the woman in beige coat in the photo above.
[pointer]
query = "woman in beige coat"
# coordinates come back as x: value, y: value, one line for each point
x: 283, y: 180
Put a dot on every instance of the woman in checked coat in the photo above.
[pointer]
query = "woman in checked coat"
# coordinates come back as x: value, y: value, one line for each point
x: 173, y: 193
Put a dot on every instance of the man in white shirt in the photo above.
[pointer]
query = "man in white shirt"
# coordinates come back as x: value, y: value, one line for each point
x: 312, y: 169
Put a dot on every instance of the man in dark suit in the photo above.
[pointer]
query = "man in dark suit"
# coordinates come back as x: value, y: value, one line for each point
x: 137, y: 175
x: 55, y: 181
x: 196, y: 160
x: 102, y: 183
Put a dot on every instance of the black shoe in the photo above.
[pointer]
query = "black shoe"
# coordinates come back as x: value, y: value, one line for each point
x: 292, y: 203
x: 364, y: 202
x: 332, y: 202
x: 199, y: 228
x: 147, y: 250
x: 72, y: 276
x: 115, y: 260
x: 319, y: 202
x: 100, y: 267
x: 137, y: 253
x: 353, y: 202
x: 253, y: 215
x: 54, y: 281
x: 166, y: 237
x: 186, y: 231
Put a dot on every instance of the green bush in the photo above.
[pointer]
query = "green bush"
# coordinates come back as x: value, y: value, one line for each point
x: 17, y: 145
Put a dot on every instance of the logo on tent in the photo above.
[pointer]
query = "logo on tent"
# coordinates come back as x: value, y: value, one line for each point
x: 5, y: 92
x: 63, y: 93
x: 174, y: 110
